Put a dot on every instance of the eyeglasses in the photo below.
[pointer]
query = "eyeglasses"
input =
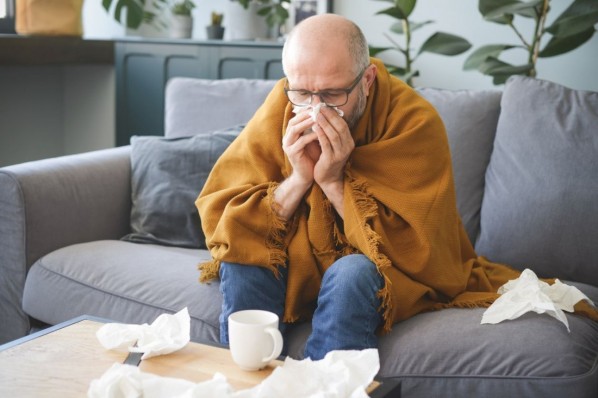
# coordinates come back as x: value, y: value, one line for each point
x: 332, y: 97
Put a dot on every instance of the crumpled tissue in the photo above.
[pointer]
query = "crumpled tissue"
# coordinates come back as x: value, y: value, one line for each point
x: 168, y: 333
x: 341, y: 374
x: 528, y: 293
x: 314, y: 110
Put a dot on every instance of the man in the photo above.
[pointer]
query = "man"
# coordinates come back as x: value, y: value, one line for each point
x: 337, y: 202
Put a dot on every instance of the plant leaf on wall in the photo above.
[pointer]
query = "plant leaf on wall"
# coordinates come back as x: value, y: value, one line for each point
x: 571, y: 29
x: 445, y: 44
x: 559, y: 45
x: 477, y: 58
x: 438, y: 43
x: 579, y: 17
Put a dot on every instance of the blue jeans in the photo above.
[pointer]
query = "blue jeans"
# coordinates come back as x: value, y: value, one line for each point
x: 347, y: 314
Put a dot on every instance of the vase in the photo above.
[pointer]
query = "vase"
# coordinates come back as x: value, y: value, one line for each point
x: 245, y: 24
x: 215, y: 32
x: 181, y: 26
x: 49, y: 18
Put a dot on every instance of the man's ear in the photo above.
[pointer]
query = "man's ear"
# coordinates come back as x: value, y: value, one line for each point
x: 370, y: 76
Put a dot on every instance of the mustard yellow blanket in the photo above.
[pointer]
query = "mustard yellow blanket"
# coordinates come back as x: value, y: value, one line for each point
x: 400, y: 210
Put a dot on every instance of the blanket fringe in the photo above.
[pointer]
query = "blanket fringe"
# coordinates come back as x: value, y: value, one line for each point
x: 368, y: 209
x: 209, y: 271
x: 275, y: 242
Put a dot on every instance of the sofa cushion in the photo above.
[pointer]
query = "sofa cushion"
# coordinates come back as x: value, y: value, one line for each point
x: 167, y: 175
x: 431, y: 353
x: 470, y: 119
x: 198, y: 106
x: 125, y: 282
x: 449, y: 353
x: 540, y: 207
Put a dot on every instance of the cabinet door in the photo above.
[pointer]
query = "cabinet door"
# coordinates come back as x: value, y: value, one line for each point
x: 142, y: 70
x: 250, y: 62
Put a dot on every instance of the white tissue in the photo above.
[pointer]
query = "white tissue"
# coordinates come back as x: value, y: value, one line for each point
x: 314, y: 110
x: 126, y: 381
x: 528, y: 293
x: 341, y: 374
x: 168, y: 333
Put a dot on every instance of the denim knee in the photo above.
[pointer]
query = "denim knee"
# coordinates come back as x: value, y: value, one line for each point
x: 353, y: 271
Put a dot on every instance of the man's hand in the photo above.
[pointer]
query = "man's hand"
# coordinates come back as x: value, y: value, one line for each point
x: 337, y: 144
x: 303, y: 151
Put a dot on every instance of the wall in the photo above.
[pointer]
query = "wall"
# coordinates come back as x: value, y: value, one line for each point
x: 575, y: 69
x: 50, y: 111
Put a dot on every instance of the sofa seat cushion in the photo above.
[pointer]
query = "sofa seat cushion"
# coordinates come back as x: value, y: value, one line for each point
x: 123, y: 281
x: 450, y: 351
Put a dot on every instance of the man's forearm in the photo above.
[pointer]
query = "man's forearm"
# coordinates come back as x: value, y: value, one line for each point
x: 335, y: 193
x: 288, y: 195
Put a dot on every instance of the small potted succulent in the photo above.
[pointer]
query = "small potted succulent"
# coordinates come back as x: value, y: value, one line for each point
x: 181, y: 23
x: 215, y: 30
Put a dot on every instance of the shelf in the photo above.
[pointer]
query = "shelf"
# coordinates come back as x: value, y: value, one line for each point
x: 59, y: 50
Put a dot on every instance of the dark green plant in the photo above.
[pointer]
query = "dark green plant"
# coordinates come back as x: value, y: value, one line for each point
x: 183, y: 7
x: 438, y: 43
x: 276, y: 13
x: 136, y: 13
x: 570, y: 30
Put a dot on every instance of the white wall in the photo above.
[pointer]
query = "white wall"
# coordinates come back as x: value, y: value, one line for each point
x: 50, y: 111
x: 576, y: 69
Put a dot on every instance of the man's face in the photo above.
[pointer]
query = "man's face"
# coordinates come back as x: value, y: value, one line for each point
x: 331, y: 80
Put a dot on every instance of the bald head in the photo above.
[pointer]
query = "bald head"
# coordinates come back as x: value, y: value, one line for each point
x: 325, y: 41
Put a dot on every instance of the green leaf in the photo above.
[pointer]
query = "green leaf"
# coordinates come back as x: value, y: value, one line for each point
x: 107, y: 4
x: 406, y: 6
x: 394, y: 12
x: 445, y: 44
x: 396, y: 70
x: 480, y: 55
x: 501, y: 11
x: 264, y: 11
x: 560, y: 45
x: 377, y: 50
x: 397, y: 27
x: 135, y: 15
x: 579, y: 17
x: 500, y: 71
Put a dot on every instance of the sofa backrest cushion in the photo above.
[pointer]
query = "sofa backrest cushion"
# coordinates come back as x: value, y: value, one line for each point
x: 540, y: 207
x: 470, y: 118
x: 167, y: 175
x: 198, y: 106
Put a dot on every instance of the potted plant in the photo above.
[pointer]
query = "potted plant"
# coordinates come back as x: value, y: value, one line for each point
x: 275, y: 12
x: 571, y: 29
x: 438, y: 43
x: 215, y: 30
x: 137, y: 12
x: 181, y: 22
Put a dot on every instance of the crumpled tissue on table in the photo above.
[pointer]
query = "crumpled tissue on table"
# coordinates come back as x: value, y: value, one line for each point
x: 168, y: 333
x: 341, y: 374
x: 528, y: 293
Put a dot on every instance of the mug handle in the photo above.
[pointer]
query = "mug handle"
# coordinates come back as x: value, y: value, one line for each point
x: 277, y: 337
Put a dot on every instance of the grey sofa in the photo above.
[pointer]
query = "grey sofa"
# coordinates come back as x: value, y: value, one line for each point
x: 526, y: 173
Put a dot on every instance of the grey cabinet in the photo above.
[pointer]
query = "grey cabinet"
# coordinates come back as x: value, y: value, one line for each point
x: 144, y: 67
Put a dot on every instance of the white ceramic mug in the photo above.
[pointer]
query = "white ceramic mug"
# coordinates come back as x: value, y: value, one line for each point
x: 254, y: 338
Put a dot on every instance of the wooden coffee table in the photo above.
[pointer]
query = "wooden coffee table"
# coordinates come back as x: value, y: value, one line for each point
x: 63, y: 360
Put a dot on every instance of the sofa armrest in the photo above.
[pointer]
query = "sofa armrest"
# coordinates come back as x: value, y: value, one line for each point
x: 52, y: 203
